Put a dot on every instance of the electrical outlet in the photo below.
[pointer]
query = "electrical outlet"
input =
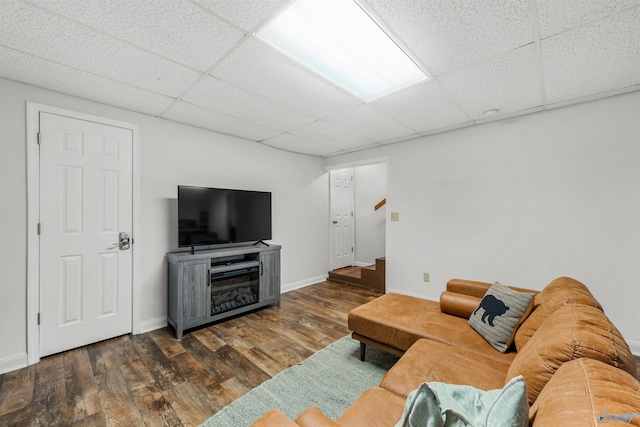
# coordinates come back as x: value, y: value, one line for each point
x: 395, y: 216
x: 425, y: 277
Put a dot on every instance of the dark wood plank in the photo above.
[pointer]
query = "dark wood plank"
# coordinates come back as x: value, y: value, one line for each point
x: 95, y: 420
x: 190, y: 404
x: 167, y: 342
x: 117, y: 403
x: 156, y: 380
x: 210, y: 360
x: 142, y: 385
x: 49, y: 406
x: 159, y: 365
x: 101, y: 357
x: 17, y: 390
x: 22, y: 417
x: 194, y: 372
x: 246, y: 372
x: 208, y: 339
x: 82, y: 393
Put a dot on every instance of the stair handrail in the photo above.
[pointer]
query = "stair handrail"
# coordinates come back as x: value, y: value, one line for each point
x: 380, y: 204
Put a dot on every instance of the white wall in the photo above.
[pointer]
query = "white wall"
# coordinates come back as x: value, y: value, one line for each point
x: 370, y: 187
x: 522, y: 201
x: 171, y: 154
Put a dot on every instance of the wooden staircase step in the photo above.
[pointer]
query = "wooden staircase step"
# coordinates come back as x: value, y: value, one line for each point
x: 370, y: 277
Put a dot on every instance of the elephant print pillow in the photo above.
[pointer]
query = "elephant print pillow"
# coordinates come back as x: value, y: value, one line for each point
x: 499, y: 314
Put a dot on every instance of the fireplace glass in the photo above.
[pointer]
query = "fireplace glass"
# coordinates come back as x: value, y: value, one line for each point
x: 233, y: 289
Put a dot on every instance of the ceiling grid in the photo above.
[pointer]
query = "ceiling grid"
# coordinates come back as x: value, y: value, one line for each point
x: 197, y: 62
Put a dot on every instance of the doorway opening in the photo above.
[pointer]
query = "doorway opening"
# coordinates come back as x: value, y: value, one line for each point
x: 360, y: 209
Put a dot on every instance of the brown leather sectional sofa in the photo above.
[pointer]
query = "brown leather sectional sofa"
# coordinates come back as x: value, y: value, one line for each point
x: 577, y: 367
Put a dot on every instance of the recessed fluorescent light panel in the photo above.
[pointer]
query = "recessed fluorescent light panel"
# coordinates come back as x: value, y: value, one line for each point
x: 338, y: 40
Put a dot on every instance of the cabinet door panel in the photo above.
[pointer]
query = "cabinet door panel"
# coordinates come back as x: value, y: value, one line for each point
x: 196, y: 297
x: 269, y: 276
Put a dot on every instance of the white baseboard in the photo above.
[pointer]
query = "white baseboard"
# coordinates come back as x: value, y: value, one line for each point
x: 364, y: 264
x: 153, y: 324
x: 12, y: 363
x: 161, y: 322
x: 302, y: 283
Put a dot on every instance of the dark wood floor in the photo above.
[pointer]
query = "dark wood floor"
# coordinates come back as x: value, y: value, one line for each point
x: 153, y: 379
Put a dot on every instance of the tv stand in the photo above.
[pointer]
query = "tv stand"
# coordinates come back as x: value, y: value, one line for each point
x: 215, y: 284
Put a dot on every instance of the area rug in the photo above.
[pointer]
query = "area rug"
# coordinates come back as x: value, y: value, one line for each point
x: 331, y: 380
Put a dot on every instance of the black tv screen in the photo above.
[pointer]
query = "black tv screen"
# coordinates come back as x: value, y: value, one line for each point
x: 214, y: 216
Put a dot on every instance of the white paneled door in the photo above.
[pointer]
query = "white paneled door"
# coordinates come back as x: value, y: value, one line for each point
x: 85, y: 223
x: 342, y: 229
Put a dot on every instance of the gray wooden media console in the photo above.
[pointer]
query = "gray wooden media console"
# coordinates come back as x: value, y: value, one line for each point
x: 215, y: 284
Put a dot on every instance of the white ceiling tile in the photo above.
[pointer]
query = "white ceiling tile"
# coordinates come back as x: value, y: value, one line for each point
x: 175, y: 29
x: 589, y: 98
x: 297, y: 144
x: 25, y: 68
x: 246, y: 14
x: 368, y: 121
x: 142, y: 55
x: 447, y: 128
x: 217, y: 95
x: 34, y: 31
x: 497, y: 118
x: 449, y: 34
x: 260, y: 69
x: 509, y: 82
x: 601, y: 57
x: 423, y: 107
x: 557, y: 16
x: 332, y: 135
x: 194, y: 115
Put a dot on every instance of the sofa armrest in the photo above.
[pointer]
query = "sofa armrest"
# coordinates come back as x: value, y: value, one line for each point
x: 460, y: 305
x: 314, y: 417
x: 274, y: 418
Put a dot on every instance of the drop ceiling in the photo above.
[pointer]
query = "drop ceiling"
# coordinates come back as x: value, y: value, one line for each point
x: 197, y: 62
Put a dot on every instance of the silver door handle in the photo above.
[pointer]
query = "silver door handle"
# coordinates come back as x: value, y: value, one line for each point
x: 124, y: 243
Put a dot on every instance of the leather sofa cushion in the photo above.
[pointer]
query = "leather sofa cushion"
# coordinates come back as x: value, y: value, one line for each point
x: 467, y: 338
x: 399, y: 321
x: 428, y: 360
x: 563, y: 290
x: 274, y: 418
x: 460, y: 305
x: 375, y: 407
x: 314, y: 417
x: 571, y: 332
x: 584, y: 390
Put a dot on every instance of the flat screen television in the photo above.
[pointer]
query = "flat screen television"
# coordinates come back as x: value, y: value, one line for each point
x: 215, y: 216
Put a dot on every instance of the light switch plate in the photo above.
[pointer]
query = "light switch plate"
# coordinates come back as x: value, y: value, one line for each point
x: 426, y: 277
x: 395, y: 216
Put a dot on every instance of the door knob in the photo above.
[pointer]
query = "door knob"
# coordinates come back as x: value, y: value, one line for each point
x: 335, y: 222
x: 124, y: 241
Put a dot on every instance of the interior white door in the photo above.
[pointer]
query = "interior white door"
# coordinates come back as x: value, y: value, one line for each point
x: 85, y: 207
x: 342, y: 229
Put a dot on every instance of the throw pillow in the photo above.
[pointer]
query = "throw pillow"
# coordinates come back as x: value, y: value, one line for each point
x: 499, y: 314
x: 438, y: 404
